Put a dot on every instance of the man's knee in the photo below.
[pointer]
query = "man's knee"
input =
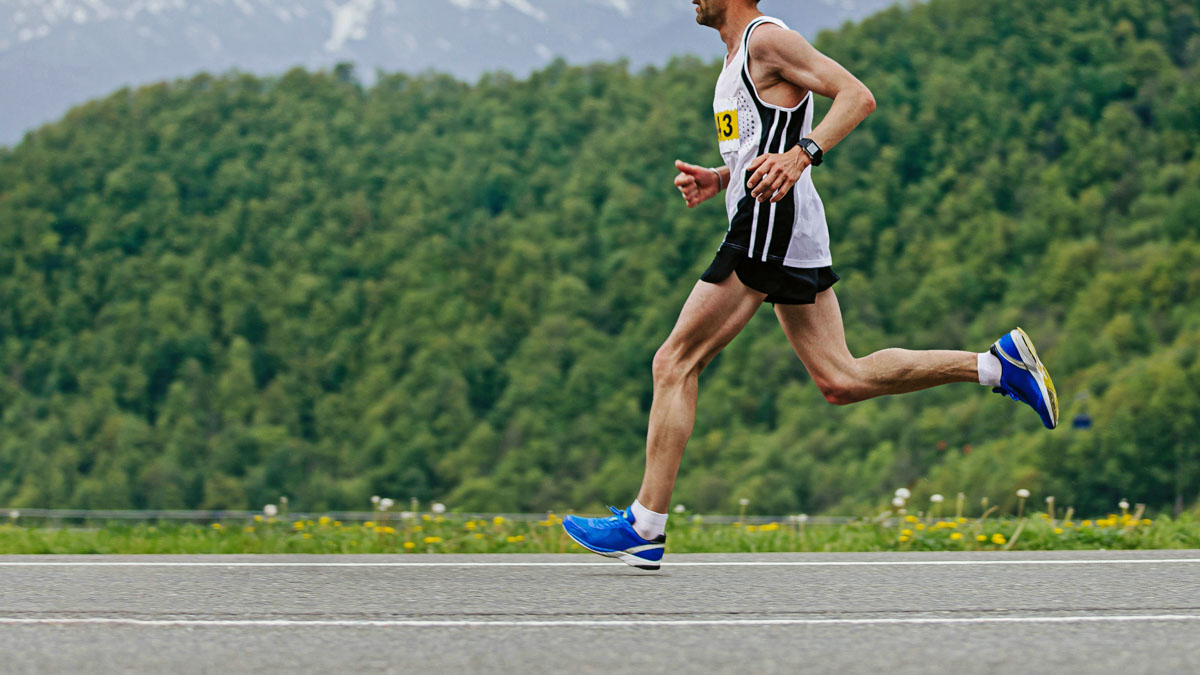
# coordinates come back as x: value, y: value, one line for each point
x: 671, y: 365
x: 840, y: 388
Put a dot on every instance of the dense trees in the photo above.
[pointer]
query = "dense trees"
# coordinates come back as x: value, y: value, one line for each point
x: 223, y: 289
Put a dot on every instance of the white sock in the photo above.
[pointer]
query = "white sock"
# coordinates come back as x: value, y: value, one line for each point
x: 648, y: 524
x: 989, y: 369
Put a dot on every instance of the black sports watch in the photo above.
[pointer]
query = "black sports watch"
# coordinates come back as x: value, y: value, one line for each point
x: 810, y: 146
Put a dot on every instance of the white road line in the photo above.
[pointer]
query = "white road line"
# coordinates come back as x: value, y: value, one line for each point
x: 715, y: 563
x: 404, y: 623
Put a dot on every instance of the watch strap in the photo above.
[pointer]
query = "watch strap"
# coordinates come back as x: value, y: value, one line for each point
x: 813, y: 150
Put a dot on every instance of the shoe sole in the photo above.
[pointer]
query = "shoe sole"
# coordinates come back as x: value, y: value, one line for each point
x: 627, y: 558
x: 1030, y: 358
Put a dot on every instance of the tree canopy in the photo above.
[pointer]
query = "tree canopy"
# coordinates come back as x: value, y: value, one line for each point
x: 226, y: 288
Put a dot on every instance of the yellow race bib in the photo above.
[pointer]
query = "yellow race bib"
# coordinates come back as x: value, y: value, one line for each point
x: 728, y: 134
x: 727, y: 126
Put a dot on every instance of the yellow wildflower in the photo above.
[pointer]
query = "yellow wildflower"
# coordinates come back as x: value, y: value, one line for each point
x: 439, y: 519
x: 307, y: 535
x: 248, y: 528
x: 751, y: 528
x: 1058, y: 530
x: 470, y: 525
x: 906, y: 532
x: 324, y: 520
x: 218, y: 527
x: 298, y: 525
x: 257, y: 518
x: 769, y: 527
x: 478, y: 536
x: 369, y: 524
x: 1087, y: 523
x: 962, y: 521
x: 424, y: 516
x: 981, y: 537
x: 433, y: 540
x: 955, y: 536
x: 408, y: 545
x: 337, y: 523
x: 998, y: 539
x: 498, y: 520
x: 1146, y: 521
x: 1068, y: 523
x: 920, y: 526
x: 903, y: 538
x: 910, y: 519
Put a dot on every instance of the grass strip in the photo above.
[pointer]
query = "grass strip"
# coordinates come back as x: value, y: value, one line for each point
x: 425, y: 533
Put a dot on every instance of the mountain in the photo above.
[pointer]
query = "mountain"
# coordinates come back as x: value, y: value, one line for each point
x: 219, y: 290
x: 56, y: 53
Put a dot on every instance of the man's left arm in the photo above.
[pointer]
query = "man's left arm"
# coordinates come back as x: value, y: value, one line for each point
x: 786, y: 55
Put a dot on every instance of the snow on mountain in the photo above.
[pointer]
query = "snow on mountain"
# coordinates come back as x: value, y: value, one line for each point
x: 57, y: 53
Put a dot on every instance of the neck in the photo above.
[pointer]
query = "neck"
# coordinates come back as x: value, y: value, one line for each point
x: 736, y: 19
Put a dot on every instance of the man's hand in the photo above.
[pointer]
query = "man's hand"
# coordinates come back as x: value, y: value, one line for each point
x: 696, y: 183
x: 775, y: 174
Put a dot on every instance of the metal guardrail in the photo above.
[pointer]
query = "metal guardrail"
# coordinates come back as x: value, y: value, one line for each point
x: 354, y: 516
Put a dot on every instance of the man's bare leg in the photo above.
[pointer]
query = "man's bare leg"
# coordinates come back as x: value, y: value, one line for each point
x: 711, y: 317
x: 816, y: 334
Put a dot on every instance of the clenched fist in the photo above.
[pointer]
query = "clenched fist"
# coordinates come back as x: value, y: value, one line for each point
x: 697, y: 184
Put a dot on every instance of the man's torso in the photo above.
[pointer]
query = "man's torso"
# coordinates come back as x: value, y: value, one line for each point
x: 791, y: 231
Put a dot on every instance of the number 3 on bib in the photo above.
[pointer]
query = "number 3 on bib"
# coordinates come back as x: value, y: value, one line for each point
x: 726, y: 113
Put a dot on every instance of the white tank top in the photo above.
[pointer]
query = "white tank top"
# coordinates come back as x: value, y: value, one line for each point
x: 791, y: 231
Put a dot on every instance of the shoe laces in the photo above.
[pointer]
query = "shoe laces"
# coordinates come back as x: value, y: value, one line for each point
x: 614, y: 520
x: 1005, y: 392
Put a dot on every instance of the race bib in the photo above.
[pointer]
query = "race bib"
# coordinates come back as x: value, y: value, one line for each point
x: 728, y: 133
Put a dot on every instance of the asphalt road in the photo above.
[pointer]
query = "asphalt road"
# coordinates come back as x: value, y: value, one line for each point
x: 1061, y: 612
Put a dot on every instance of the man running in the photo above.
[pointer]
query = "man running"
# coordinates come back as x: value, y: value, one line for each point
x: 777, y: 250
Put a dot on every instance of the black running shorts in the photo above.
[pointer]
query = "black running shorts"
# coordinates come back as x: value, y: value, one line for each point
x: 783, y: 285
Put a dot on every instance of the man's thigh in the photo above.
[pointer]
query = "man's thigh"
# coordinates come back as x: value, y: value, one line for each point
x: 816, y: 334
x: 712, y: 316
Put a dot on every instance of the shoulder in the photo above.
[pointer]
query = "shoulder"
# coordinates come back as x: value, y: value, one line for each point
x: 771, y: 41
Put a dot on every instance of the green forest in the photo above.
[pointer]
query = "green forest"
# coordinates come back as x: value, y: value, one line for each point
x: 224, y: 289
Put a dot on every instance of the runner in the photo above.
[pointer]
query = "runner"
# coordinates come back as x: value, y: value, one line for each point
x: 777, y: 250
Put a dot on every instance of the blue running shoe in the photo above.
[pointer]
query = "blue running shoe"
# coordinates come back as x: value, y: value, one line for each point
x: 1023, y: 377
x: 615, y: 537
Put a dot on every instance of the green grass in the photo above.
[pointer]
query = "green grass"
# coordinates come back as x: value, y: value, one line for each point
x: 436, y: 534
